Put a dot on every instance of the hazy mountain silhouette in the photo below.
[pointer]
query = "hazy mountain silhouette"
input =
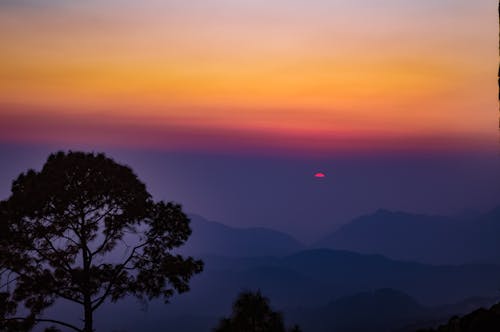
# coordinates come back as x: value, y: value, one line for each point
x: 317, y: 286
x: 483, y: 320
x: 371, y: 311
x: 213, y: 238
x: 315, y: 277
x: 313, y: 286
x: 466, y: 238
x: 379, y: 310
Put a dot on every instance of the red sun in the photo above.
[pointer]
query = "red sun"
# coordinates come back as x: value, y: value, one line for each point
x: 320, y: 175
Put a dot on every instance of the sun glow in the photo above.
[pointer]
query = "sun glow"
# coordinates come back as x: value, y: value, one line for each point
x: 315, y: 75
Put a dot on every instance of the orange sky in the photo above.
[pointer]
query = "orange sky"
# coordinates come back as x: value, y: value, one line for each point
x: 317, y: 74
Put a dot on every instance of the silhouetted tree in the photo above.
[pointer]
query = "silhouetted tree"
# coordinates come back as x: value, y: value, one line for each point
x: 85, y: 229
x: 252, y: 313
x: 7, y: 307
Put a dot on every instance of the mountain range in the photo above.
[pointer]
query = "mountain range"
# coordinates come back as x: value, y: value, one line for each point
x: 322, y: 290
x: 388, y: 271
x: 468, y: 238
x: 213, y: 238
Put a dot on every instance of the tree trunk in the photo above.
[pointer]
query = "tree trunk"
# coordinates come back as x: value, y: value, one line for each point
x: 87, y: 307
x: 87, y: 298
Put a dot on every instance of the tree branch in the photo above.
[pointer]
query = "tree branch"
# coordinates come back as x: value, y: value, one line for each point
x: 58, y: 253
x: 70, y: 239
x: 9, y: 281
x: 99, y: 301
x: 103, y: 244
x: 45, y: 320
x: 66, y: 297
x: 95, y: 221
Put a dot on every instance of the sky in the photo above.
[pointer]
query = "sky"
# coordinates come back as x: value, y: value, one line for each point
x: 246, y: 100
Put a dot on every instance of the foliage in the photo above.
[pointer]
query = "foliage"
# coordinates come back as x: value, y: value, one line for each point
x: 85, y: 229
x: 252, y: 313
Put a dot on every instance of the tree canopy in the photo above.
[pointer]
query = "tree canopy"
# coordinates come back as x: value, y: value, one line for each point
x: 85, y: 229
x: 253, y: 313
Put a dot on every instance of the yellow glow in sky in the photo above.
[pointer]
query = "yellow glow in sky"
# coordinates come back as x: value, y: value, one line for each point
x: 321, y: 70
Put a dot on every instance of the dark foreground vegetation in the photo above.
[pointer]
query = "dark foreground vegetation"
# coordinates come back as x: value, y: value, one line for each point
x: 252, y: 313
x: 85, y: 230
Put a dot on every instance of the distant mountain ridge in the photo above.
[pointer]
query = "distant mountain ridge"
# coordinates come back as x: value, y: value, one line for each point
x: 319, y: 285
x: 469, y: 238
x: 213, y: 238
x: 318, y: 288
x: 379, y: 310
x: 480, y: 320
x: 318, y: 276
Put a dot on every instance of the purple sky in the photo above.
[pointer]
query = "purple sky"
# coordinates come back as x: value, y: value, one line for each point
x: 283, y: 193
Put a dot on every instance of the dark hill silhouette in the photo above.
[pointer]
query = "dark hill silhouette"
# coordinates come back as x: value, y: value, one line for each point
x: 346, y: 272
x: 379, y: 310
x: 372, y: 311
x: 467, y: 238
x: 213, y: 238
x: 304, y: 284
x: 315, y: 277
x: 480, y: 320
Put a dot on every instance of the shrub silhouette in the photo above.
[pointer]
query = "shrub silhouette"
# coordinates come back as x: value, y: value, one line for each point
x: 85, y: 229
x: 252, y: 313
